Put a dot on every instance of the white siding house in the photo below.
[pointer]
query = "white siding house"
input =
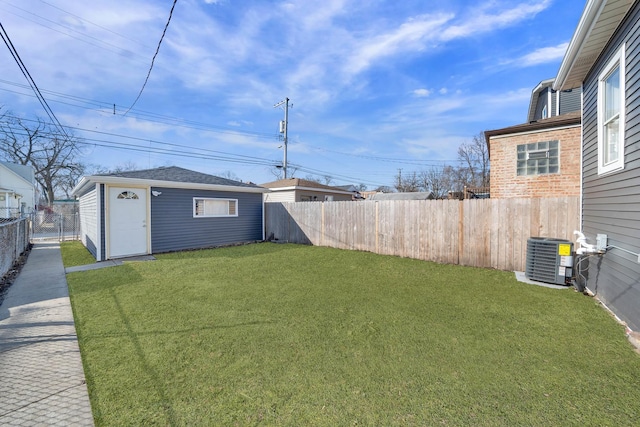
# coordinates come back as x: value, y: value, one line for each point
x: 17, y: 189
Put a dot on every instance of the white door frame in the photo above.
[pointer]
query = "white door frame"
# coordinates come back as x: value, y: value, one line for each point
x: 146, y: 190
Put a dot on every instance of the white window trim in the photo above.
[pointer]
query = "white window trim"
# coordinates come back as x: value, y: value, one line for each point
x: 216, y: 199
x: 617, y: 60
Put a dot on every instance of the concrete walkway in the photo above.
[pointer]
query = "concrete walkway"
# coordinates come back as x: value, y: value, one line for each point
x: 41, y: 376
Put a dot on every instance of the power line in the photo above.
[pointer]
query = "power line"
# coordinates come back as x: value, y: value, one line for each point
x: 100, y: 43
x: 92, y: 23
x: 415, y: 162
x: 27, y: 75
x: 103, y: 106
x: 319, y: 172
x: 154, y: 57
x: 206, y: 153
x: 182, y: 151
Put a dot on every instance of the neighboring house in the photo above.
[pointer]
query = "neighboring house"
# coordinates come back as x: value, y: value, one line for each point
x: 540, y: 158
x: 604, y: 58
x: 165, y: 209
x: 302, y: 190
x: 547, y: 102
x: 357, y: 195
x: 416, y: 195
x: 17, y: 190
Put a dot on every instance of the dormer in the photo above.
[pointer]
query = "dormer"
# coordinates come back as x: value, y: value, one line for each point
x: 547, y: 102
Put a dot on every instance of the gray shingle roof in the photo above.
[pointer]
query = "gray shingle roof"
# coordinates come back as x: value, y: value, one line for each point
x: 177, y: 174
x: 23, y: 171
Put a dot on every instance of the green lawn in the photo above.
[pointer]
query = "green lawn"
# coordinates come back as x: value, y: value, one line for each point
x: 275, y: 334
x: 73, y: 254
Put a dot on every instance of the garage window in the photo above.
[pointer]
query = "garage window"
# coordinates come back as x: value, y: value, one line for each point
x: 210, y: 207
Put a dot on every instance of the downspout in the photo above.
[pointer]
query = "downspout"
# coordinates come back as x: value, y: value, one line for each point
x: 581, y: 154
x: 581, y: 240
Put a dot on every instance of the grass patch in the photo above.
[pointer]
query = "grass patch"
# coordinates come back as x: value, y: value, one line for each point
x: 297, y: 335
x: 74, y: 253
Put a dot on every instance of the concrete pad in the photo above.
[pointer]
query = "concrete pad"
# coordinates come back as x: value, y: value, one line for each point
x: 520, y: 276
x: 96, y: 266
x: 109, y: 263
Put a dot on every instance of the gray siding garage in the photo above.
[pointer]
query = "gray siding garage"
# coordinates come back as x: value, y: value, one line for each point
x: 166, y: 209
x: 174, y: 227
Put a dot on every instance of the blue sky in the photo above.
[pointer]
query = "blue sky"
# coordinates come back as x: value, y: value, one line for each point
x: 375, y: 86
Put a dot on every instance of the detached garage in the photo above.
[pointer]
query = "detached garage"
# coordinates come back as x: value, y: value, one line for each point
x: 166, y: 209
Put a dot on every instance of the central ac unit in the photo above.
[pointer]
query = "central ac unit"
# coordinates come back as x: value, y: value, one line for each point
x: 549, y: 260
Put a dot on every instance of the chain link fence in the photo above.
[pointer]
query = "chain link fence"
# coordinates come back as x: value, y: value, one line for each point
x: 14, y: 240
x: 48, y: 225
x: 58, y: 222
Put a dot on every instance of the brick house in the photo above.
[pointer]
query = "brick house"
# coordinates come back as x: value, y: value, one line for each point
x: 540, y: 158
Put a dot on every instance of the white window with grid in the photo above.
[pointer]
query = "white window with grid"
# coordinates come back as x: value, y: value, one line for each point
x: 213, y: 207
x: 611, y: 114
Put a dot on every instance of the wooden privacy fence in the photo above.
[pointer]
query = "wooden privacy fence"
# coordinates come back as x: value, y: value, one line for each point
x: 490, y: 233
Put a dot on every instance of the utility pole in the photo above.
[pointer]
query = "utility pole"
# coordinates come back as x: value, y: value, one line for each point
x: 283, y: 129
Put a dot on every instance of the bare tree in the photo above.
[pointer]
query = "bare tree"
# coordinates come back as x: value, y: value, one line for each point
x: 69, y: 178
x: 230, y: 175
x: 53, y: 155
x: 325, y: 179
x: 408, y: 183
x: 437, y: 180
x: 475, y: 157
x: 124, y: 167
x: 277, y: 172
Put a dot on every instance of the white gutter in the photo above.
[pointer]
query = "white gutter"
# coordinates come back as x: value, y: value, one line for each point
x: 589, y: 17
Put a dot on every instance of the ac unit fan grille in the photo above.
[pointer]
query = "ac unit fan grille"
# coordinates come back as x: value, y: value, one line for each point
x: 543, y: 260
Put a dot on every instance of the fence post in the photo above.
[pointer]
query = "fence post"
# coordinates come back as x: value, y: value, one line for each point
x: 377, y: 227
x: 322, y: 224
x: 460, y: 229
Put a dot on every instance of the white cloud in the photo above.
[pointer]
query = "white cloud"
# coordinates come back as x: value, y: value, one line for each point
x: 410, y: 36
x: 483, y: 20
x: 443, y: 91
x: 422, y: 93
x: 543, y: 55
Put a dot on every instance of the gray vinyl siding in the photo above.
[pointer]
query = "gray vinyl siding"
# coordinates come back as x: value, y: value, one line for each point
x: 173, y: 226
x: 543, y: 100
x: 611, y: 203
x: 569, y: 100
